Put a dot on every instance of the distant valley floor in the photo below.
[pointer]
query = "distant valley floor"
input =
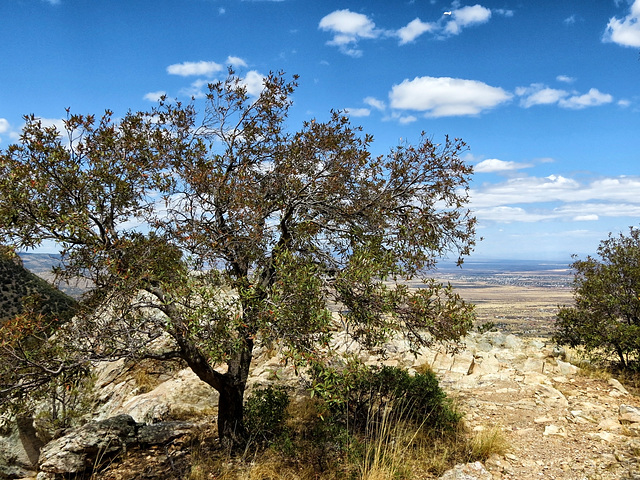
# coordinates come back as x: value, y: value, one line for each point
x: 519, y: 298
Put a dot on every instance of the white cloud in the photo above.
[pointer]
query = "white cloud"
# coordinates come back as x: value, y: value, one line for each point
x: 625, y: 32
x: 4, y: 125
x: 413, y: 30
x: 254, y: 83
x: 236, y: 62
x: 201, y: 68
x: 357, y: 112
x: 624, y: 103
x: 348, y: 28
x: 154, y: 96
x: 445, y: 96
x: 401, y: 118
x: 556, y: 197
x: 196, y: 89
x: 591, y: 99
x: 502, y: 11
x: 565, y: 79
x: 375, y: 103
x: 466, y: 16
x: 590, y: 217
x: 407, y: 119
x: 570, y: 20
x: 52, y: 2
x: 540, y: 94
x: 504, y: 214
x: 492, y: 165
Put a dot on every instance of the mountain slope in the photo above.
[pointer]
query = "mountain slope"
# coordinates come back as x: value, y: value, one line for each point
x: 16, y: 282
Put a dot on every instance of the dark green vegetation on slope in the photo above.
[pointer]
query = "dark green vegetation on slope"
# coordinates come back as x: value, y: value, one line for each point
x: 16, y: 283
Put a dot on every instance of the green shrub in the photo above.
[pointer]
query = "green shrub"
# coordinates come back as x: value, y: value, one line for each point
x: 265, y: 414
x: 605, y: 319
x: 359, y: 396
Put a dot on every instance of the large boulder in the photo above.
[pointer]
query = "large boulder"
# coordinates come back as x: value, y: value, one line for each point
x: 79, y: 449
x: 19, y: 447
x: 90, y: 445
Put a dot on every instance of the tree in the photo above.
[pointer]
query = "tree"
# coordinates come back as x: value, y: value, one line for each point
x: 221, y: 231
x: 606, y: 317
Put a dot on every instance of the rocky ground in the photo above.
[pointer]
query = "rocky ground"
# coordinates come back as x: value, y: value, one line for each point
x: 559, y: 424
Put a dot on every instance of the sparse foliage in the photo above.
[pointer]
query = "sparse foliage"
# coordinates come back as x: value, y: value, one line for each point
x: 277, y: 225
x: 606, y: 317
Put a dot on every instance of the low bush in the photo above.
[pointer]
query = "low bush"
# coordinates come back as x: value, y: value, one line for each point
x: 265, y: 414
x: 358, y: 395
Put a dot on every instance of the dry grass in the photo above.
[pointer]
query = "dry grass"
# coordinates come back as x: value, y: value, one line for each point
x: 486, y: 443
x: 391, y: 449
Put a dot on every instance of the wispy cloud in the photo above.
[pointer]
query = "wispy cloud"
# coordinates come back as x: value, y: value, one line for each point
x: 413, y: 30
x: 236, y: 62
x: 625, y: 31
x: 375, y: 103
x: 350, y: 28
x: 357, y: 112
x: 556, y: 197
x: 592, y: 98
x: 540, y: 94
x: 4, y: 125
x: 155, y: 96
x: 493, y: 165
x: 187, y: 69
x: 565, y: 79
x: 445, y: 96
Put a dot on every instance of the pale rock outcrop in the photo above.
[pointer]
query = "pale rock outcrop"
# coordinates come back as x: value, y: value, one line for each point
x: 85, y: 447
x: 467, y: 471
x: 19, y: 447
x: 181, y: 395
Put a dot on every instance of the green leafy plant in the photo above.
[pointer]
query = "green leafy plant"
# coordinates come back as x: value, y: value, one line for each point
x: 605, y: 320
x: 358, y: 396
x: 265, y: 413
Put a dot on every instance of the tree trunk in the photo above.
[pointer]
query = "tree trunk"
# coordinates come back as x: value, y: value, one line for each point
x: 620, y: 353
x: 231, y: 429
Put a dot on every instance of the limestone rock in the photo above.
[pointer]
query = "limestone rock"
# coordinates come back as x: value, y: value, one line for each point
x: 610, y: 425
x: 468, y: 471
x: 160, y: 433
x: 77, y: 450
x: 181, y: 396
x: 618, y: 386
x: 629, y: 414
x: 83, y: 447
x: 554, y: 430
x: 566, y: 368
x: 19, y: 447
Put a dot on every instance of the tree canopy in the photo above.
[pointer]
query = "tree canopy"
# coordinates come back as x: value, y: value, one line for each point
x: 219, y: 230
x: 606, y: 317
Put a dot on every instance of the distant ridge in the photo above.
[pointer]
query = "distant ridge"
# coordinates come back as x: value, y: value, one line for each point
x: 16, y: 282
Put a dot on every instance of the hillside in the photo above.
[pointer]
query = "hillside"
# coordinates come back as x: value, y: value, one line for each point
x: 16, y: 282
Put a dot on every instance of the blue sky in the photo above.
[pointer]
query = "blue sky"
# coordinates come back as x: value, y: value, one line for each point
x: 546, y: 93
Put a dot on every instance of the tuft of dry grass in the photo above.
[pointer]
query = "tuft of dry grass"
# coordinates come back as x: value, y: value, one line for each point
x: 487, y: 442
